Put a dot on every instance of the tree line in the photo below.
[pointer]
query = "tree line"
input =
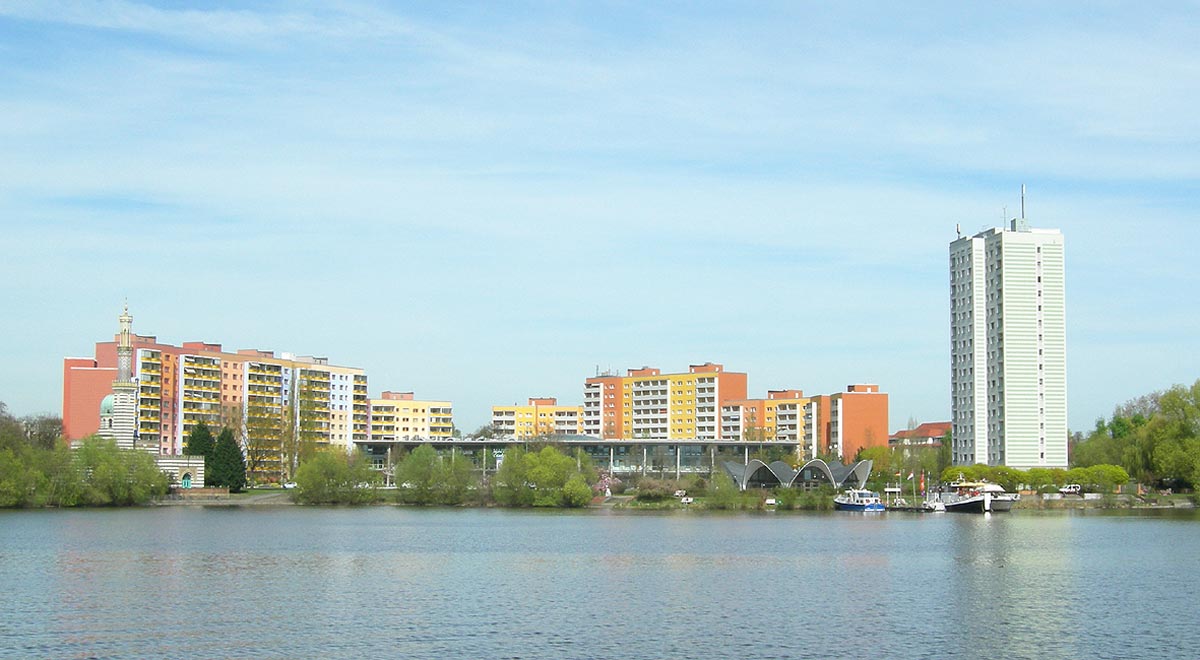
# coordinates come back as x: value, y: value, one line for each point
x: 1155, y: 438
x: 38, y: 469
x: 543, y: 477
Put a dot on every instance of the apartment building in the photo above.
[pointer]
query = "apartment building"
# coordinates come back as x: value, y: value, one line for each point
x: 540, y: 417
x: 271, y: 398
x: 778, y: 417
x: 842, y: 423
x: 648, y: 404
x: 400, y: 416
x: 1008, y: 347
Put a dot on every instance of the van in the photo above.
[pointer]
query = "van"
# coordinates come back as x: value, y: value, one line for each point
x: 1070, y: 489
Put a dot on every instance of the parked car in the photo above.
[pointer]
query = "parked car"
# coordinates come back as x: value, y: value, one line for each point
x: 1070, y: 489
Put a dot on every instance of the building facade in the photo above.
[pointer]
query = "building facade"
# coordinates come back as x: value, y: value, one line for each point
x: 648, y: 404
x: 399, y: 416
x: 1008, y: 348
x: 842, y: 423
x: 779, y: 417
x: 540, y: 417
x: 278, y: 402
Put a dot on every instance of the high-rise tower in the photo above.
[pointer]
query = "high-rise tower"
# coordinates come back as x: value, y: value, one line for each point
x: 1008, y: 347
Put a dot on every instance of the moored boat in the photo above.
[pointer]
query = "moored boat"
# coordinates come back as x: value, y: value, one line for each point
x: 858, y: 500
x: 973, y: 497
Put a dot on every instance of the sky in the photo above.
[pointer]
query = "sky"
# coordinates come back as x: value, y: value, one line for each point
x: 487, y: 202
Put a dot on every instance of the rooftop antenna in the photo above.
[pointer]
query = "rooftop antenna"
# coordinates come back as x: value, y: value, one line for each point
x: 1022, y: 202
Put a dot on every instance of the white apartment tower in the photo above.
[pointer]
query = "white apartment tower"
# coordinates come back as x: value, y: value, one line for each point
x: 1008, y: 347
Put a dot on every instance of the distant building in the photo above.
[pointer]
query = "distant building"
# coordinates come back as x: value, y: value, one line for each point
x: 648, y: 404
x: 929, y: 434
x: 118, y: 412
x: 541, y: 416
x: 842, y: 423
x: 779, y: 417
x: 269, y: 398
x: 398, y: 415
x: 1008, y: 348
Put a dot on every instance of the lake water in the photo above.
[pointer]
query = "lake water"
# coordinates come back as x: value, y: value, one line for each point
x: 297, y: 582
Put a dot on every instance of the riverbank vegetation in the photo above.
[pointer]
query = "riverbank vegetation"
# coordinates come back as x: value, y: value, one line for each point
x: 37, y: 469
x: 547, y: 477
x: 1155, y: 438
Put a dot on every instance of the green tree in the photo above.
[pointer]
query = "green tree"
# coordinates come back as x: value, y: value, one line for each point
x: 576, y: 492
x: 723, y: 492
x: 226, y: 467
x: 1107, y: 477
x: 417, y: 475
x: 548, y: 471
x: 510, y: 486
x: 945, y: 454
x: 333, y: 477
x: 112, y: 476
x: 454, y: 480
x: 199, y: 441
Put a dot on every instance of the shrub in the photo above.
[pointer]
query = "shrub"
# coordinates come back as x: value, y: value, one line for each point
x: 654, y: 490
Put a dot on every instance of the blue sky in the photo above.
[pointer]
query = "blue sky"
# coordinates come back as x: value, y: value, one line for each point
x: 486, y: 202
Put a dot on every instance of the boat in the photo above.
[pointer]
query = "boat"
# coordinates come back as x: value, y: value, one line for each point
x: 858, y: 500
x: 972, y: 497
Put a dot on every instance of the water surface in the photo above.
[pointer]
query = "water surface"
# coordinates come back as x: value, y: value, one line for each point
x: 298, y: 582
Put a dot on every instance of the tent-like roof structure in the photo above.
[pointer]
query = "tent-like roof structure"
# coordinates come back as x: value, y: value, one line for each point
x: 757, y: 474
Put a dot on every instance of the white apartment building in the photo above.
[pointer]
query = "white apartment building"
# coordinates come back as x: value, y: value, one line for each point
x: 1008, y: 348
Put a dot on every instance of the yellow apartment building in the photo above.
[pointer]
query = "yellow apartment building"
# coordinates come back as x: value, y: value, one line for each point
x: 540, y: 417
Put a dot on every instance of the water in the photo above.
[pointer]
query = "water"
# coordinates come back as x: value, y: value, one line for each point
x: 295, y: 582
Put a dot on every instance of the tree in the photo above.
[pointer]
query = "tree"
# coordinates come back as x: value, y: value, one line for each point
x: 454, y: 480
x: 43, y: 431
x: 945, y: 453
x: 299, y: 432
x: 510, y: 486
x: 723, y: 492
x: 113, y: 476
x: 199, y: 441
x: 226, y: 467
x: 549, y: 470
x: 416, y: 476
x: 576, y: 492
x: 332, y: 477
x: 540, y: 478
x: 485, y: 431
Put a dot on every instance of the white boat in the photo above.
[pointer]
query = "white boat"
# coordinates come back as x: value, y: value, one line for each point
x: 972, y: 497
x: 858, y: 500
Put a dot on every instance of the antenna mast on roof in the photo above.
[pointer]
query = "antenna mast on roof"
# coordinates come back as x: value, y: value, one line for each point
x: 1022, y: 202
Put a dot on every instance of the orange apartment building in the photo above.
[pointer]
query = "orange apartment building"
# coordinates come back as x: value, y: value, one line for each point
x: 843, y: 423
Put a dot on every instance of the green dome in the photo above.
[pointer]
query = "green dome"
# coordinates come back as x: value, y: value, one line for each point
x: 106, y: 406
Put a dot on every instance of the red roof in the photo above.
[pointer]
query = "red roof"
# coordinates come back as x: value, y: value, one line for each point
x: 926, y: 430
